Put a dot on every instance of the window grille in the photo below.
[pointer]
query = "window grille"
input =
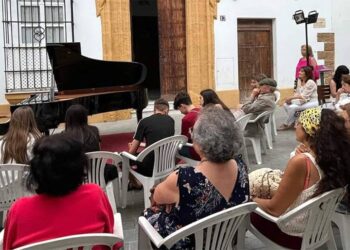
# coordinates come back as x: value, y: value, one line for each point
x: 28, y: 25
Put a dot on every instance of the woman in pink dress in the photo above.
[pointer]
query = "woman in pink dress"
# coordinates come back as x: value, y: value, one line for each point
x: 303, y: 62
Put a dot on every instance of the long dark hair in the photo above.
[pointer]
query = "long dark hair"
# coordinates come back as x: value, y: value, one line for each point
x: 308, y: 72
x: 339, y: 72
x: 77, y: 125
x: 331, y: 144
x: 210, y: 97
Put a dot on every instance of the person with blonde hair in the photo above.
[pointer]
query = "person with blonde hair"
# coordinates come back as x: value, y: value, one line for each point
x: 16, y: 145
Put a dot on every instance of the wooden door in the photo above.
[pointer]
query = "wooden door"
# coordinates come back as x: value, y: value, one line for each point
x: 172, y: 46
x: 254, y: 52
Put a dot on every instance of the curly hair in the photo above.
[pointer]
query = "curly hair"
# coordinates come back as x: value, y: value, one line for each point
x: 58, y: 165
x: 339, y: 72
x: 217, y: 134
x: 331, y: 143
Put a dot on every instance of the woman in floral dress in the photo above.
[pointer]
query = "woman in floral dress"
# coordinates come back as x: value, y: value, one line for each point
x: 218, y: 182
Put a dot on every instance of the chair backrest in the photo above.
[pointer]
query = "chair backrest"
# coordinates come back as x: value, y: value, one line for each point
x: 320, y: 211
x: 96, y: 165
x: 216, y: 231
x: 277, y: 95
x: 79, y: 241
x: 243, y: 121
x: 323, y: 93
x: 12, y: 178
x: 264, y: 116
x: 164, y: 154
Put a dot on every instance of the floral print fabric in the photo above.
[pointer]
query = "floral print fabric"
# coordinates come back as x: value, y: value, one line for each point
x: 198, y: 199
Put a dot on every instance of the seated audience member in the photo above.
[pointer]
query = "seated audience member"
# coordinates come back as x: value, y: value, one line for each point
x: 63, y: 205
x: 209, y: 97
x: 183, y: 103
x: 343, y: 94
x: 323, y: 166
x: 335, y: 83
x: 16, y: 145
x: 76, y: 124
x: 254, y: 82
x: 346, y: 115
x: 305, y: 97
x: 259, y: 101
x: 152, y: 129
x: 217, y: 183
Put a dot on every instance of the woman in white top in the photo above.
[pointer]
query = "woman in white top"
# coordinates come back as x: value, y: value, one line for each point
x: 343, y: 94
x: 324, y: 166
x: 305, y: 97
x: 16, y: 145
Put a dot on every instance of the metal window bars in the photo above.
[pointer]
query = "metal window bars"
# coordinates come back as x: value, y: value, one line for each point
x: 28, y: 25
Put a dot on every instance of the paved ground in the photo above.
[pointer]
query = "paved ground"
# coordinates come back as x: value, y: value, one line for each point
x: 276, y: 158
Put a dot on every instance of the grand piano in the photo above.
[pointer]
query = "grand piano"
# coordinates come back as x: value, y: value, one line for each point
x: 100, y: 86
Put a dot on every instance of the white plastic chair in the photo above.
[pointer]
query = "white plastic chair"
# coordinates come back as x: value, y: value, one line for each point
x: 257, y: 141
x: 79, y: 241
x: 189, y: 161
x: 318, y: 230
x: 11, y: 184
x: 242, y: 123
x: 273, y: 121
x: 343, y: 223
x: 216, y: 231
x: 95, y: 174
x: 164, y: 163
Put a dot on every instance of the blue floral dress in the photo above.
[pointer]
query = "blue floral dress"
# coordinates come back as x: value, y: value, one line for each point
x: 198, y: 199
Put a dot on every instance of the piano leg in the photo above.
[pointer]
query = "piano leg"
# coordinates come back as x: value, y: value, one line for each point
x: 139, y: 114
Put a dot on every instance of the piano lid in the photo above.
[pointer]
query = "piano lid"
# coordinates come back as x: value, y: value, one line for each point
x: 72, y: 71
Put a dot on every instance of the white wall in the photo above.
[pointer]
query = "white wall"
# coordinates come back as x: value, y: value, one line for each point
x: 87, y: 29
x: 341, y: 24
x: 287, y: 36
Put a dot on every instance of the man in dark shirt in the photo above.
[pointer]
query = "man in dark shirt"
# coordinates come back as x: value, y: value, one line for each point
x: 152, y: 129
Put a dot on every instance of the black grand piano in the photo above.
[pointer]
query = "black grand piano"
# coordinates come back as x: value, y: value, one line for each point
x: 100, y: 86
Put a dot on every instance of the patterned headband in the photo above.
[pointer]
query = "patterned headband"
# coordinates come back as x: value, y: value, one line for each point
x: 310, y: 120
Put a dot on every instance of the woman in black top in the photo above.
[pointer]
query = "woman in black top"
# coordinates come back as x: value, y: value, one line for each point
x: 77, y: 125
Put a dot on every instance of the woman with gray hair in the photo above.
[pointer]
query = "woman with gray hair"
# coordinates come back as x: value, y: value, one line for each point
x: 218, y: 182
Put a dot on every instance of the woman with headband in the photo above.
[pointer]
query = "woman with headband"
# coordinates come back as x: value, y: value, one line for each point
x: 323, y: 166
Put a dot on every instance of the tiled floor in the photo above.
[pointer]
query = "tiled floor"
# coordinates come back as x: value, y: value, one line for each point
x: 276, y: 158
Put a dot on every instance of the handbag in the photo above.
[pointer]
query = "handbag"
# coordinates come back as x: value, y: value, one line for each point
x: 264, y: 182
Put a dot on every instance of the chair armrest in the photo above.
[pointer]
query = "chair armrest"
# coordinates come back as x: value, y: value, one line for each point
x: 149, y: 230
x: 265, y: 215
x: 118, y: 227
x: 188, y: 144
x: 129, y: 156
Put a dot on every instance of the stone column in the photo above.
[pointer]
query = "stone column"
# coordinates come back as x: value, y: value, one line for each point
x: 328, y: 54
x: 116, y: 42
x: 116, y: 29
x: 200, y: 45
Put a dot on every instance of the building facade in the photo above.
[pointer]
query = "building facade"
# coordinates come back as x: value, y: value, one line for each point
x: 186, y: 45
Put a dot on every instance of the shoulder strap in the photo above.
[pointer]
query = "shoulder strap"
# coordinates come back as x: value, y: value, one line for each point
x: 308, y: 172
